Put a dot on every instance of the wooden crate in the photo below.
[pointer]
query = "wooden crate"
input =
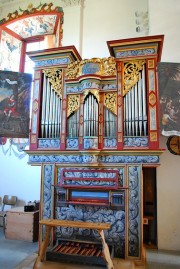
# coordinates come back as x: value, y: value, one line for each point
x: 22, y: 225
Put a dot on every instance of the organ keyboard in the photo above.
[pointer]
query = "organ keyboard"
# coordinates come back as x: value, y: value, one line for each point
x: 50, y: 223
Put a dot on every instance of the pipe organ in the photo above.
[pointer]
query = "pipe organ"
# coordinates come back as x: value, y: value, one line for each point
x: 94, y: 127
x: 135, y: 103
x: 51, y: 104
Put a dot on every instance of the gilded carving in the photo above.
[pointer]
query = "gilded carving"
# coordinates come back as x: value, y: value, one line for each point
x: 55, y: 78
x: 73, y: 103
x: 103, y: 67
x: 109, y: 66
x: 110, y: 101
x: 131, y: 74
x: 93, y: 91
x: 153, y: 136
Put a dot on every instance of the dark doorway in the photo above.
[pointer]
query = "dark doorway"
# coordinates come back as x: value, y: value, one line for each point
x: 150, y: 207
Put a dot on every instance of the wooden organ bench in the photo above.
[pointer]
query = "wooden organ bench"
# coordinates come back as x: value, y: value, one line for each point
x: 51, y: 223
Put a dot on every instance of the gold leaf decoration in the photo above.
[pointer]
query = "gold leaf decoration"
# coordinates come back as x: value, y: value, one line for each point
x: 73, y: 103
x: 102, y: 67
x: 131, y: 74
x: 93, y: 91
x: 55, y: 78
x: 110, y: 101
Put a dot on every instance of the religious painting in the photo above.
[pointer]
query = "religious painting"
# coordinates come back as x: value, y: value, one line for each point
x: 169, y: 98
x: 15, y: 91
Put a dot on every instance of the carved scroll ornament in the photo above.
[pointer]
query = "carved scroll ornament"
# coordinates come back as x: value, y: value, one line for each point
x: 110, y: 101
x: 93, y: 91
x: 103, y: 67
x: 131, y: 74
x: 55, y: 78
x: 73, y: 103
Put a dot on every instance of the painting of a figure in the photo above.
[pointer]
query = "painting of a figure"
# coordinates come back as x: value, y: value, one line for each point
x: 169, y: 98
x: 15, y: 90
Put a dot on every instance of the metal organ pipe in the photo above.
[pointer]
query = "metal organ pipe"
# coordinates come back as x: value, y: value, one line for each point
x: 110, y: 124
x: 90, y: 116
x: 135, y: 114
x: 144, y: 103
x: 51, y: 111
x: 43, y: 108
x: 73, y: 122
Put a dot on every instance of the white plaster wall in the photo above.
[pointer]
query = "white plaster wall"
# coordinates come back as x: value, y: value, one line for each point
x: 17, y: 177
x: 165, y: 19
x: 108, y: 20
x: 168, y: 200
x: 72, y: 27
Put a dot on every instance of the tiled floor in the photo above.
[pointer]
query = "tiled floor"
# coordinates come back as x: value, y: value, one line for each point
x: 16, y: 254
x: 12, y: 252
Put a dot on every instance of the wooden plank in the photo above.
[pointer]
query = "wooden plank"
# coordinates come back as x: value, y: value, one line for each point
x: 75, y: 224
x: 106, y: 251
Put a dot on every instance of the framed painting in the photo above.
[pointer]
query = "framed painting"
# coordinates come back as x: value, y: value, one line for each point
x: 169, y: 98
x: 15, y: 93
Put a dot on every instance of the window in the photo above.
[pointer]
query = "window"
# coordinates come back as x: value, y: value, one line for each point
x: 32, y: 46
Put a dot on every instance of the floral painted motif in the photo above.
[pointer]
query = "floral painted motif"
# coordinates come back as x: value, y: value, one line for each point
x: 11, y: 48
x: 33, y: 26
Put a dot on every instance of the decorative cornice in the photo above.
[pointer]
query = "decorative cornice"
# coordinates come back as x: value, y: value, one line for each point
x: 45, y: 8
x: 102, y: 67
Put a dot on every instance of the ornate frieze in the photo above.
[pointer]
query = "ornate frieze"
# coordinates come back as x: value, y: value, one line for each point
x: 52, y: 62
x: 94, y: 158
x: 90, y: 143
x: 97, y: 66
x: 110, y: 142
x: 48, y: 143
x: 72, y: 143
x: 73, y: 89
x: 45, y: 8
x: 136, y: 142
x: 135, y: 52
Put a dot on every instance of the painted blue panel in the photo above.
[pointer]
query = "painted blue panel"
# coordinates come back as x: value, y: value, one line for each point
x: 90, y: 68
x: 89, y: 194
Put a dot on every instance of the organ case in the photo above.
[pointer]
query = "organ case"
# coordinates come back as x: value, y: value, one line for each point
x: 94, y: 126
